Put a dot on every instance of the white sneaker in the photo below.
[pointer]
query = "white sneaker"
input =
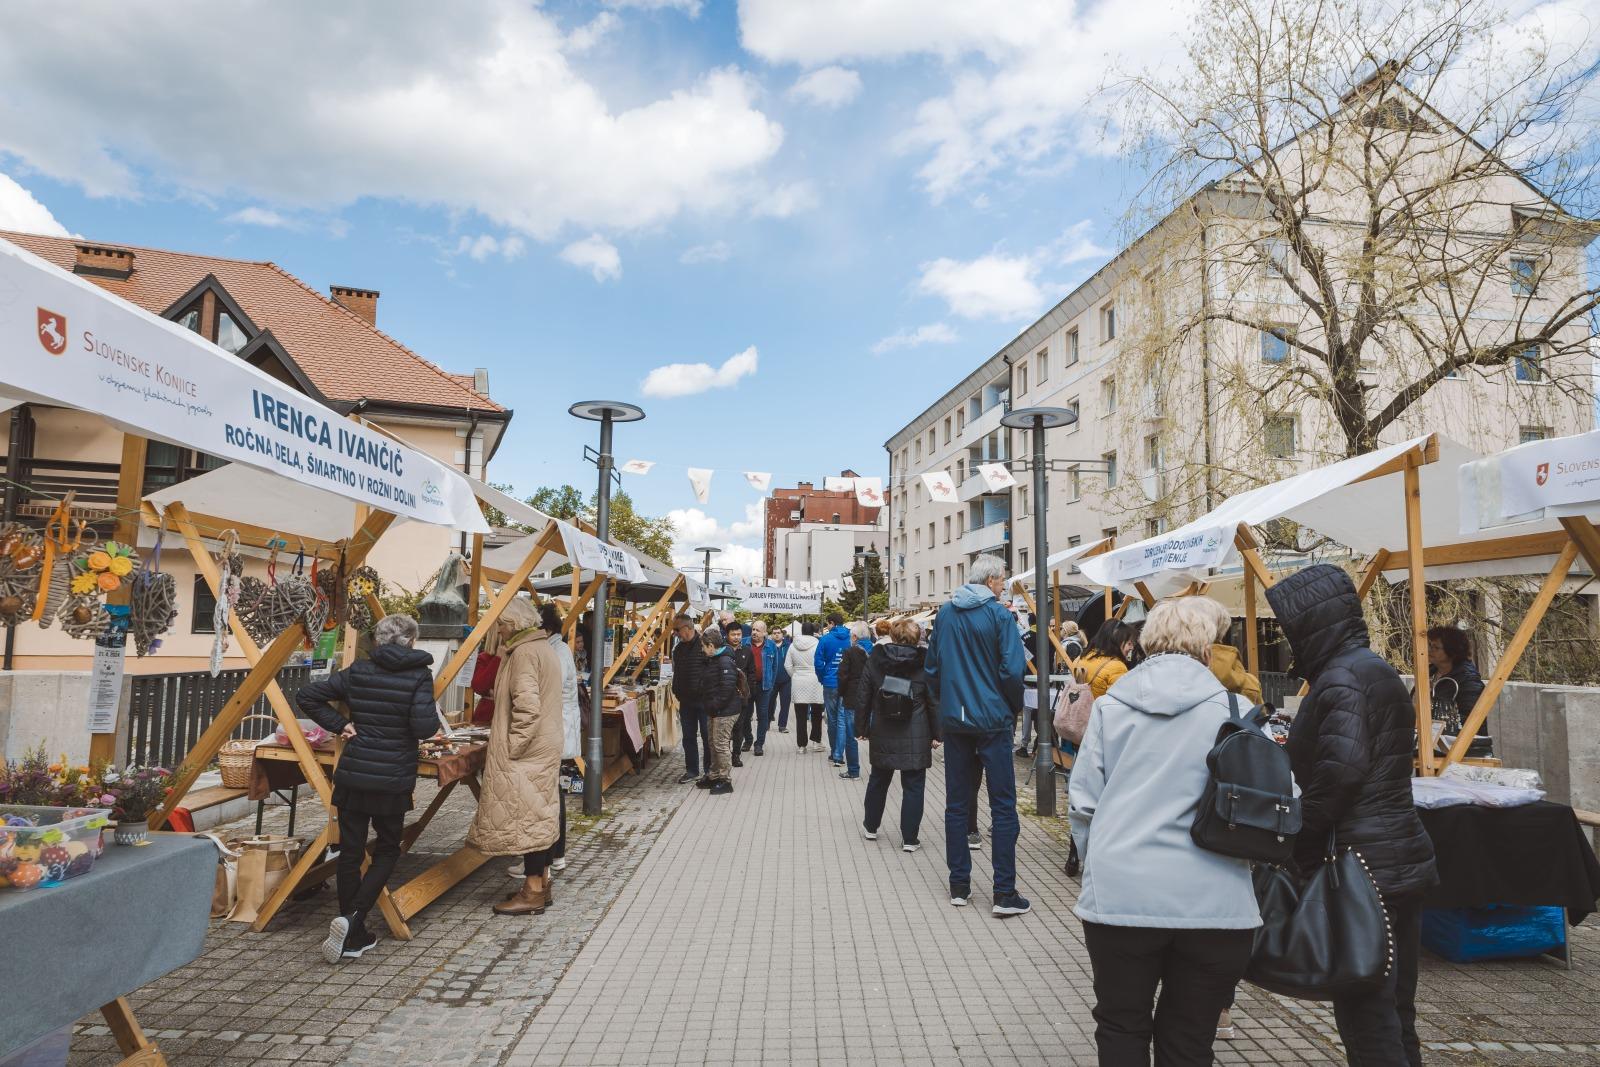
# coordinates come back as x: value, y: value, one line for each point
x: 333, y: 947
x: 911, y: 847
x: 870, y: 835
x: 517, y: 871
x: 957, y: 902
x: 559, y: 864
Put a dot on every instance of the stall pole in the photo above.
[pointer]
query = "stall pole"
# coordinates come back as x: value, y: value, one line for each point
x: 1055, y: 597
x: 638, y: 635
x: 19, y: 419
x: 575, y: 610
x: 1513, y: 653
x: 1419, y: 619
x: 477, y: 579
x: 1252, y: 650
x: 508, y: 593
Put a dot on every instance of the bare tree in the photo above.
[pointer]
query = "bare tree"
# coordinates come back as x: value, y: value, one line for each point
x: 1370, y: 199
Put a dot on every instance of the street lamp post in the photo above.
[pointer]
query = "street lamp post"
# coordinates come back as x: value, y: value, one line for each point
x: 709, y: 552
x: 606, y: 413
x: 1038, y: 420
x: 866, y: 556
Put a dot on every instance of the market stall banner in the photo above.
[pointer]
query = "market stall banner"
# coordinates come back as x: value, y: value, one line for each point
x: 699, y: 593
x: 1195, y: 550
x: 589, y: 553
x: 784, y: 601
x: 66, y: 341
x: 1546, y: 474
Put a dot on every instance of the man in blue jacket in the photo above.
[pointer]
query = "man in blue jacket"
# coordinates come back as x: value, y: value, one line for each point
x: 975, y: 663
x: 830, y: 650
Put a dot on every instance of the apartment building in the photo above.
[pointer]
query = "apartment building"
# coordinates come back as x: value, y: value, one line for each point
x: 821, y: 552
x: 1187, y: 360
x: 805, y: 504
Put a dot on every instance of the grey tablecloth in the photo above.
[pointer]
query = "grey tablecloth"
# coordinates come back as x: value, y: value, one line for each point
x: 65, y: 951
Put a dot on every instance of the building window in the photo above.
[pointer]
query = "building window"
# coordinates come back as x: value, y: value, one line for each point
x: 229, y: 337
x: 1110, y: 460
x: 1524, y: 276
x: 1022, y: 378
x: 1072, y: 347
x: 1074, y: 484
x: 1152, y: 454
x: 1022, y: 502
x: 932, y: 442
x: 1072, y: 406
x: 961, y: 470
x: 919, y: 450
x: 947, y: 429
x: 1108, y: 323
x: 202, y: 620
x: 930, y: 535
x: 1023, y: 557
x: 947, y: 529
x: 1276, y: 255
x: 961, y: 574
x: 1109, y: 532
x: 1530, y: 434
x: 930, y: 584
x: 961, y: 524
x: 190, y: 320
x: 1154, y: 527
x: 1041, y: 365
x: 1275, y: 344
x: 961, y: 421
x: 919, y: 539
x: 947, y: 579
x: 166, y: 465
x: 917, y: 584
x: 1529, y: 367
x: 1074, y: 541
x: 1108, y: 396
x: 1278, y: 435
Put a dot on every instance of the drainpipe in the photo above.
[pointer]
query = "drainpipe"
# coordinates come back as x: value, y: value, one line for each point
x: 466, y: 468
x: 1205, y: 363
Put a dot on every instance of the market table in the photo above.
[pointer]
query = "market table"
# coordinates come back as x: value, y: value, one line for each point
x: 277, y: 767
x: 159, y: 899
x: 1534, y: 855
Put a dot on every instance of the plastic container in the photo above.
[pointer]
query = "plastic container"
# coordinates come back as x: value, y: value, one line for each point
x: 47, y: 846
x: 1498, y: 932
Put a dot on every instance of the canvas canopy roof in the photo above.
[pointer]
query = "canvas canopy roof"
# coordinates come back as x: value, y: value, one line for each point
x: 67, y: 342
x: 1357, y: 502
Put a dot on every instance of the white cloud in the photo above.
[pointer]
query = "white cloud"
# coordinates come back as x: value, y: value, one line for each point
x: 934, y: 333
x: 786, y: 200
x: 686, y: 379
x: 508, y: 128
x: 828, y: 87
x: 486, y: 246
x: 745, y: 563
x: 597, y: 255
x: 715, y: 252
x: 692, y: 526
x: 689, y: 7
x: 591, y: 33
x: 1021, y: 76
x: 20, y: 210
x: 1006, y: 286
x: 260, y: 216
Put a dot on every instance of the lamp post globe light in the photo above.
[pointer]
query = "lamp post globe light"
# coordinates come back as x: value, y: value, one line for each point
x: 607, y: 413
x: 1038, y: 420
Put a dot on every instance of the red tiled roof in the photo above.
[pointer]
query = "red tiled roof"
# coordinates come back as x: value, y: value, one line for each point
x: 345, y: 356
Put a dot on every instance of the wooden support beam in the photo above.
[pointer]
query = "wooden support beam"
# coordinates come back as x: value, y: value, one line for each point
x: 477, y: 579
x: 1587, y: 538
x: 1513, y: 652
x: 664, y: 602
x: 581, y: 601
x: 1252, y: 650
x: 260, y: 537
x: 1145, y: 594
x: 1487, y: 551
x: 1055, y: 639
x: 1418, y: 593
x: 1369, y: 577
x: 1055, y: 597
x: 547, y: 541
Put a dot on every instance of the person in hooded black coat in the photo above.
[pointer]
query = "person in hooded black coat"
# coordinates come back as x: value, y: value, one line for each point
x: 903, y: 744
x: 1351, y: 748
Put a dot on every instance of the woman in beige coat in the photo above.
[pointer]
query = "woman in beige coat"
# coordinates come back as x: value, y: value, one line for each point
x: 519, y: 811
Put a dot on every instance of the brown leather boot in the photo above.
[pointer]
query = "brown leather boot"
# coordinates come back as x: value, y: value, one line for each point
x: 549, y: 898
x: 529, y: 899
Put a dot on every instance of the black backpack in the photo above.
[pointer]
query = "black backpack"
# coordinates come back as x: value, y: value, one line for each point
x: 1249, y: 810
x: 896, y: 699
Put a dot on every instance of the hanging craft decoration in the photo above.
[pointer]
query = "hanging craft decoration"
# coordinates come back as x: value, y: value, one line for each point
x: 83, y: 612
x: 230, y: 566
x: 57, y: 573
x: 21, y: 552
x: 700, y: 481
x: 153, y: 600
x: 349, y: 598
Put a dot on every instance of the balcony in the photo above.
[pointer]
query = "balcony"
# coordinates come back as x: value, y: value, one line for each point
x: 984, y: 538
x: 989, y: 420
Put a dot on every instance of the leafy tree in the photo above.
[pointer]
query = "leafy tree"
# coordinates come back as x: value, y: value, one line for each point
x: 652, y: 536
x: 871, y: 578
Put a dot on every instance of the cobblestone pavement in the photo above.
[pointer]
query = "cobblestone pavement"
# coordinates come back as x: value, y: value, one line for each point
x: 759, y: 928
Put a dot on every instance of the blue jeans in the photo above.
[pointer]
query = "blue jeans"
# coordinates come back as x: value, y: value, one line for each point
x: 964, y: 756
x: 780, y: 699
x: 830, y: 712
x: 852, y: 747
x: 763, y: 714
x: 695, y: 724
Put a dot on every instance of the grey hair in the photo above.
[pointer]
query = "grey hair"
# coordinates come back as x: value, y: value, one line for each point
x: 395, y: 630
x: 984, y: 568
x: 1221, y: 621
x: 520, y: 614
x: 859, y: 632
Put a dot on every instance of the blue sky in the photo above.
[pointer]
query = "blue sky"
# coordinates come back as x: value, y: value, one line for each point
x: 874, y: 197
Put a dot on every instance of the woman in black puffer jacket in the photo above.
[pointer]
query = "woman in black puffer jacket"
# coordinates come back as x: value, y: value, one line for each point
x: 1351, y: 747
x: 390, y: 697
x: 902, y: 730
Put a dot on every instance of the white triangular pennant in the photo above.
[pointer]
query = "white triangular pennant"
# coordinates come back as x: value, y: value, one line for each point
x: 869, y: 492
x: 700, y: 480
x: 995, y: 476
x: 941, y: 487
x: 759, y: 480
x: 849, y: 584
x: 637, y: 466
x: 838, y: 485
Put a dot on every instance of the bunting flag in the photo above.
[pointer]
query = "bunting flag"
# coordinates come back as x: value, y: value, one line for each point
x: 759, y: 480
x: 849, y: 584
x: 941, y: 487
x: 838, y: 485
x: 700, y: 480
x: 637, y: 466
x: 995, y: 476
x: 790, y: 585
x: 772, y: 583
x: 869, y: 492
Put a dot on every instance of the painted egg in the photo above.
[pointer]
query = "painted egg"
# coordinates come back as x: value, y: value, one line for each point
x: 28, y: 851
x: 55, y: 872
x: 27, y: 875
x: 54, y: 854
x: 80, y: 864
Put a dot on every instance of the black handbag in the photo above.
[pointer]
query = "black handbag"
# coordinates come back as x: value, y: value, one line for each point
x: 1322, y: 937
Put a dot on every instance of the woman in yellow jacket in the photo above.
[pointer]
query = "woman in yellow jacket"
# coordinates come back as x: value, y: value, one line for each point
x: 1108, y: 655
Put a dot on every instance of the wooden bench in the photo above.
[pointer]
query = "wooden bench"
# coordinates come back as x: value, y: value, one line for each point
x: 201, y: 799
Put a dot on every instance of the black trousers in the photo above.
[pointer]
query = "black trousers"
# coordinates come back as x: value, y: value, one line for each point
x: 913, y: 784
x: 802, y: 712
x: 1197, y: 971
x: 780, y: 700
x: 744, y: 732
x: 560, y: 850
x: 1380, y: 1027
x: 359, y: 892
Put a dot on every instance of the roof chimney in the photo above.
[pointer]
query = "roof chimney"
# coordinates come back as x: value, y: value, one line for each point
x: 363, y: 302
x: 103, y: 261
x: 480, y: 381
x: 803, y: 485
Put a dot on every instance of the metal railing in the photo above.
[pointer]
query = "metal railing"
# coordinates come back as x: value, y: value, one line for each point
x: 1276, y: 686
x: 167, y: 713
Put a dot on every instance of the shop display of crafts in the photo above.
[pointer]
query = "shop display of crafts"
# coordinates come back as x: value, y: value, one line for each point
x: 52, y: 815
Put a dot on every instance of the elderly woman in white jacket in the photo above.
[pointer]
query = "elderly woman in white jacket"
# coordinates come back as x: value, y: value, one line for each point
x: 804, y: 686
x: 1157, y: 909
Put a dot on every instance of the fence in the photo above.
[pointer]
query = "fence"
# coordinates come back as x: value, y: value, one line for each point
x: 168, y: 712
x: 1276, y: 686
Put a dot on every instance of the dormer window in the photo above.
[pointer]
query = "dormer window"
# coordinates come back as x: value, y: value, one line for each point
x: 229, y: 337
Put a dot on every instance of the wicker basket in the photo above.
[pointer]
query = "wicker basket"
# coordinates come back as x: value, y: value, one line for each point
x: 234, y: 757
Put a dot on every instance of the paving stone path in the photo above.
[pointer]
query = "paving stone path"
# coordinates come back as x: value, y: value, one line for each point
x: 753, y: 929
